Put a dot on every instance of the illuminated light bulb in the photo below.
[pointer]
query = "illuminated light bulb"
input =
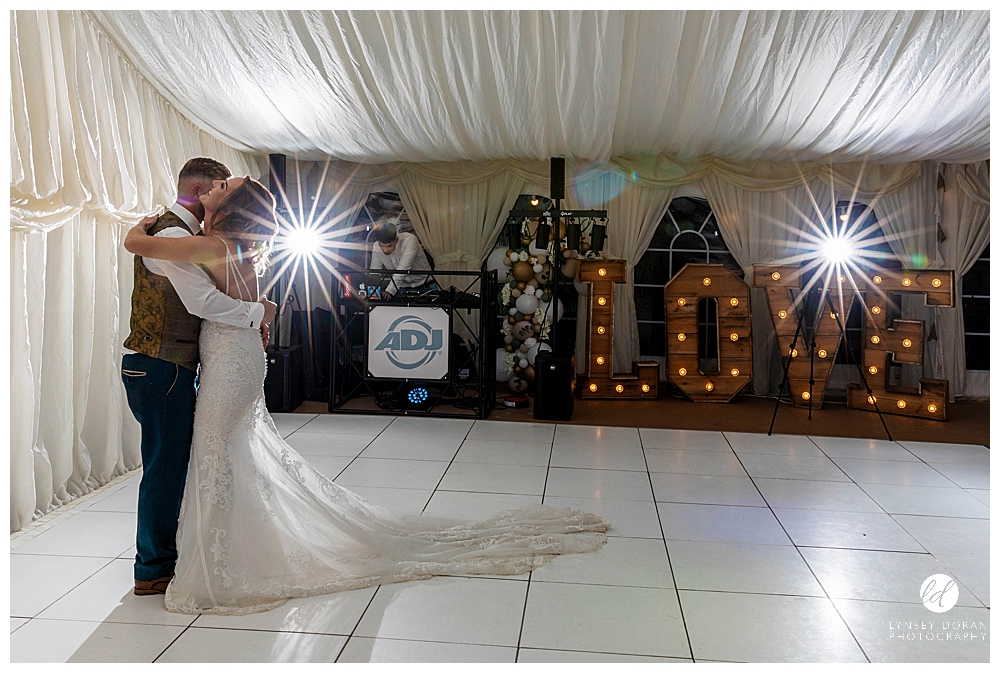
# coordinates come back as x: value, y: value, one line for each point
x: 681, y: 302
x: 833, y: 315
x: 907, y: 343
x: 734, y: 371
x: 601, y: 301
x: 843, y: 218
x: 841, y: 278
x: 534, y: 201
x: 877, y: 279
x: 795, y: 353
x: 932, y: 408
x: 775, y: 276
x: 876, y: 310
x: 645, y: 387
x: 734, y: 337
x: 602, y: 272
x: 601, y: 329
x: 875, y: 339
x: 901, y: 404
x: 682, y: 372
x: 821, y: 353
x: 706, y: 281
x: 600, y: 359
x: 593, y: 387
x: 709, y: 386
x: 734, y: 302
x: 682, y: 336
x: 873, y: 370
x: 806, y: 395
x: 619, y: 388
x: 782, y: 314
x: 871, y: 399
x: 907, y: 282
x: 936, y: 283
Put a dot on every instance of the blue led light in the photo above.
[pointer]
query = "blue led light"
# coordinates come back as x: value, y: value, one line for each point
x: 417, y: 395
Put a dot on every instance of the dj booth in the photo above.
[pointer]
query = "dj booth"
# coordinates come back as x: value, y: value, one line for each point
x: 428, y: 351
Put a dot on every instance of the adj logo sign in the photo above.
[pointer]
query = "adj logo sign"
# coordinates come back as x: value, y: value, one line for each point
x: 411, y: 342
x: 939, y: 593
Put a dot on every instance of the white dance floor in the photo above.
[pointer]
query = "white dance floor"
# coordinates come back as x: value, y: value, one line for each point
x: 723, y: 547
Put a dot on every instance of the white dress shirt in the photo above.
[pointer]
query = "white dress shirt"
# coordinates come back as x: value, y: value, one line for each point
x: 195, y: 288
x: 408, y: 256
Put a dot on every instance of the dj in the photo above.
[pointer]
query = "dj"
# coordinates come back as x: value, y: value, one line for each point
x: 400, y: 252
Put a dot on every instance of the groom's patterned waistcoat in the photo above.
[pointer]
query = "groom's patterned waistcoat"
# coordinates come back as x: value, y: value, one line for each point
x: 161, y: 326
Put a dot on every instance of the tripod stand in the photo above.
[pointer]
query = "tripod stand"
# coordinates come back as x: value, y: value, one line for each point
x: 812, y: 351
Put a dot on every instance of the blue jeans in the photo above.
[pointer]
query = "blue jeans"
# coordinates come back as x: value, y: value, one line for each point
x: 161, y: 396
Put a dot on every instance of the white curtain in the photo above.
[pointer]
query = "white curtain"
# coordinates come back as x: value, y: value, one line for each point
x: 965, y: 221
x: 93, y: 148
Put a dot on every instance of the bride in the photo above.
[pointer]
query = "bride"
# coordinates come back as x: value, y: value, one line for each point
x: 258, y: 524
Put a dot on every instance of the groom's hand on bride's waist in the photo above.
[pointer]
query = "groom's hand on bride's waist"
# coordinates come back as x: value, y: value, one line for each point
x: 265, y: 335
x: 270, y: 309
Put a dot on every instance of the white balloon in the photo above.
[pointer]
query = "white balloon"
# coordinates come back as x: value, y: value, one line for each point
x: 539, y: 293
x: 532, y: 353
x: 527, y: 303
x: 522, y: 363
x: 530, y: 341
x: 495, y: 262
x: 537, y: 268
x: 513, y: 310
x: 501, y: 356
x: 535, y: 250
x: 548, y: 313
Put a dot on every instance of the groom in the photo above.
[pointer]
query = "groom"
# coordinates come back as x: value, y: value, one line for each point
x: 169, y: 301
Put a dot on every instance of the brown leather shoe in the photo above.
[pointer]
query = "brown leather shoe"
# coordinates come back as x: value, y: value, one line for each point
x: 152, y: 587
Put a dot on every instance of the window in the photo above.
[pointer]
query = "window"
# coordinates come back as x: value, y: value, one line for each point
x: 976, y: 312
x: 687, y: 233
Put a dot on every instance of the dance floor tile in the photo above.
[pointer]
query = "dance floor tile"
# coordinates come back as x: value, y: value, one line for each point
x: 891, y: 472
x: 617, y: 620
x: 746, y: 568
x: 399, y: 500
x: 486, y: 478
x: 848, y: 530
x: 628, y: 518
x: 687, y: 440
x: 386, y: 650
x: 766, y: 628
x: 329, y: 466
x: 38, y: 581
x: 966, y: 476
x: 877, y: 575
x: 332, y: 614
x: 289, y: 423
x: 348, y: 424
x: 934, y: 452
x: 947, y: 535
x: 804, y: 494
x: 104, y: 534
x: 600, y: 484
x: 123, y: 499
x: 777, y: 466
x: 59, y: 641
x: 501, y: 431
x: 596, y: 436
x: 329, y: 443
x: 706, y: 490
x: 421, y: 474
x: 785, y: 445
x: 475, y: 506
x: 623, y: 561
x: 926, y: 500
x: 864, y: 449
x: 499, y: 452
x: 447, y: 609
x: 128, y: 553
x: 417, y: 447
x: 909, y: 633
x: 982, y: 495
x: 528, y: 655
x: 713, y: 463
x: 409, y: 427
x: 600, y: 457
x: 107, y: 596
x: 16, y: 623
x: 720, y: 523
x: 219, y: 646
x: 972, y: 571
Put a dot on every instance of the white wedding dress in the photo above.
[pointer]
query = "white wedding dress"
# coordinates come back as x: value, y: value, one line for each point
x: 259, y: 525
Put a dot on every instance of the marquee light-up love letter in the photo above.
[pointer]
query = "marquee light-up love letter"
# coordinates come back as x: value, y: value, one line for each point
x: 599, y: 382
x: 905, y: 341
x: 680, y: 307
x: 778, y: 283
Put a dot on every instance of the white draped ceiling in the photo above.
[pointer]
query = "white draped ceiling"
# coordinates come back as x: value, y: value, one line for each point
x: 418, y: 86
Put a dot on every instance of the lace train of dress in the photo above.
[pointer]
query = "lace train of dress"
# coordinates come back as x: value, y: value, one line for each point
x: 259, y: 525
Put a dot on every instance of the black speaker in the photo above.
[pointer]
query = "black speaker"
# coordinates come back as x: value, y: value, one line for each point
x: 283, y: 385
x: 277, y: 181
x: 573, y: 234
x: 597, y: 236
x: 557, y: 178
x: 542, y: 233
x: 555, y: 387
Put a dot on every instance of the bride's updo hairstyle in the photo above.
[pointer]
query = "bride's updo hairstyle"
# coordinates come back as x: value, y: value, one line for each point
x: 247, y: 217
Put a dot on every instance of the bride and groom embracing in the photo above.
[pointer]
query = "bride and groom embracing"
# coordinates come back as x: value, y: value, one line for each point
x: 231, y: 520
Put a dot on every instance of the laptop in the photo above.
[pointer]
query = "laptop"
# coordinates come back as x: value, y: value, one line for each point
x: 370, y: 285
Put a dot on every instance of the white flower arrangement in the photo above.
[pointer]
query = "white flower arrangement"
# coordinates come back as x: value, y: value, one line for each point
x: 505, y: 294
x: 508, y: 363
